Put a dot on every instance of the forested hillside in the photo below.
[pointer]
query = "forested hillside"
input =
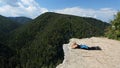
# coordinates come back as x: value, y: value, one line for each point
x: 6, y: 26
x: 6, y: 54
x: 38, y: 44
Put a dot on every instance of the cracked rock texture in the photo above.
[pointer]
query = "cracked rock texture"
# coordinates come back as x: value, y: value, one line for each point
x: 108, y: 57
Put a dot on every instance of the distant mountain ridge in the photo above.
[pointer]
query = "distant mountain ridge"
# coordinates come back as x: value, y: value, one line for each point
x: 39, y: 43
x: 8, y: 24
x: 21, y: 20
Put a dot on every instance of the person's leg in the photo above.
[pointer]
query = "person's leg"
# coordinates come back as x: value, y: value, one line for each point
x: 94, y: 48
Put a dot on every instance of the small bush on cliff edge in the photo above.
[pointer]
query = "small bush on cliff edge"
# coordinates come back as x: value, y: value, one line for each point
x: 113, y: 31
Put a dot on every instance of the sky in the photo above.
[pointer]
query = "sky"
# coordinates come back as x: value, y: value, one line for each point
x: 100, y: 9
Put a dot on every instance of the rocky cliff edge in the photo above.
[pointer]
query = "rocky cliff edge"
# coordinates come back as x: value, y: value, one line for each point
x: 108, y: 57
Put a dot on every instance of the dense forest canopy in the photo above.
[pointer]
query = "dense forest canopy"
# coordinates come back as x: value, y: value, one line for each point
x: 38, y: 44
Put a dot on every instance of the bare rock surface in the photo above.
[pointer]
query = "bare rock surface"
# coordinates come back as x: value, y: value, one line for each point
x: 108, y: 57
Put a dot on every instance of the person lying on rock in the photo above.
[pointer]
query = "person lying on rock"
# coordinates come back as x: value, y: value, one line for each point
x: 75, y: 45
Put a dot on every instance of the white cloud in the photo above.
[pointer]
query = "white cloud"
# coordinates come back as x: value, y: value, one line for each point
x: 105, y: 14
x: 28, y: 8
x: 9, y: 2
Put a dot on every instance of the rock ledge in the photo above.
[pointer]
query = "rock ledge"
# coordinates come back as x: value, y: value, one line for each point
x: 108, y: 57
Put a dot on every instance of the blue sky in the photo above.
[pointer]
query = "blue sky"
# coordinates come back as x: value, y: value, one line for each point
x: 95, y: 4
x: 100, y: 9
